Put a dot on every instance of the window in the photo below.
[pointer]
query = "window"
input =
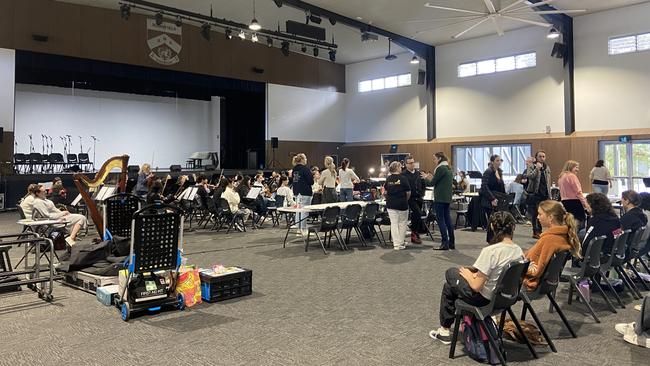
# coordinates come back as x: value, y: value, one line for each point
x: 476, y: 158
x: 628, y: 163
x: 388, y: 82
x: 509, y: 63
x: 628, y: 44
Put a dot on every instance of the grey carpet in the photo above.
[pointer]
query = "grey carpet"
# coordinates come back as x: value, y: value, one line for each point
x: 362, y: 307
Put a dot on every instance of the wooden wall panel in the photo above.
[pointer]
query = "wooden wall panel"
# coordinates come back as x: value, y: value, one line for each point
x: 95, y: 26
x: 219, y: 49
x: 65, y: 34
x: 124, y: 38
x: 7, y: 24
x: 331, y: 76
x: 33, y: 17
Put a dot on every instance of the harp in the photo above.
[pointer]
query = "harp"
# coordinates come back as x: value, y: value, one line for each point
x: 84, y: 184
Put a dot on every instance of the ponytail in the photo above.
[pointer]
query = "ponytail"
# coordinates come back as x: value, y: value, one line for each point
x: 574, y: 241
x: 502, y: 224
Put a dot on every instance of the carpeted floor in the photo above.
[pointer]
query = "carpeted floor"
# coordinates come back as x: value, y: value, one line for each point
x: 362, y: 307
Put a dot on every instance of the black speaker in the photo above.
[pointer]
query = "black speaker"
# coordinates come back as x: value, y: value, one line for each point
x: 559, y: 50
x: 393, y: 148
x: 275, y: 142
x: 422, y: 76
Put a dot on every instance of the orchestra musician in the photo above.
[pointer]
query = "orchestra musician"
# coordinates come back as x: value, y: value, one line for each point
x: 144, y: 177
x: 74, y: 222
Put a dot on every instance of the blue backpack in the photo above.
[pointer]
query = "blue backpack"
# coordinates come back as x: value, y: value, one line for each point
x: 474, y: 338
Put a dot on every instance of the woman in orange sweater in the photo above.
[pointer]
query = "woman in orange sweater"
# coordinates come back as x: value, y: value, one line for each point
x: 559, y: 235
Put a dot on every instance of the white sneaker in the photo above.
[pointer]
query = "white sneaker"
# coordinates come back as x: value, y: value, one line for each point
x: 70, y: 241
x: 400, y: 247
x: 624, y: 328
x: 441, y: 334
x: 639, y: 340
x: 637, y: 307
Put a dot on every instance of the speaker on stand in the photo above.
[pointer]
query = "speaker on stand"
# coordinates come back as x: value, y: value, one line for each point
x: 274, y: 163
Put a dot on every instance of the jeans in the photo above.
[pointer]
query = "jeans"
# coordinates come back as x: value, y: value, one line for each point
x: 398, y: 222
x: 443, y: 216
x: 532, y: 205
x: 600, y: 188
x: 456, y: 287
x: 302, y: 216
x: 346, y: 195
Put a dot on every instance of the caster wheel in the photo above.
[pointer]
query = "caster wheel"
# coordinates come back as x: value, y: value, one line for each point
x: 126, y: 311
x: 181, y: 302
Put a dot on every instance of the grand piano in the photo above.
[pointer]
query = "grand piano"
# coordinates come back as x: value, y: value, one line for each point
x: 202, y: 158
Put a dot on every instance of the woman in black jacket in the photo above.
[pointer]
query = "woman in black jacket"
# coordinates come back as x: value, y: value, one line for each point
x: 602, y: 221
x: 491, y: 185
x: 302, y: 182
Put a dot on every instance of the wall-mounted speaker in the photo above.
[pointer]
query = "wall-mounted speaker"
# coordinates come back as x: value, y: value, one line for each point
x: 559, y: 50
x: 257, y: 70
x: 422, y: 76
x: 39, y: 38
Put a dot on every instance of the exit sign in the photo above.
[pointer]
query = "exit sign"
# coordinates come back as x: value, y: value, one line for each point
x: 626, y: 138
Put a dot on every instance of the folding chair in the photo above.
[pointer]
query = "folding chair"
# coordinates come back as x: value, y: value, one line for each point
x: 548, y: 283
x: 369, y: 220
x: 615, y: 262
x: 636, y: 246
x: 328, y: 225
x: 504, y: 296
x: 589, y: 268
x: 350, y: 221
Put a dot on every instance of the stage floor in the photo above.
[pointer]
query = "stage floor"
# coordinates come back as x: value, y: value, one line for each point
x: 369, y: 306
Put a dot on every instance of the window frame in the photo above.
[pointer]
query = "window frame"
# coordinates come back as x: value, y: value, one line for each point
x: 384, y: 78
x: 494, y: 60
x: 636, y: 43
x: 511, y: 161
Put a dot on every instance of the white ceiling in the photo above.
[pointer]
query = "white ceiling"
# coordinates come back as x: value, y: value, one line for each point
x: 405, y: 17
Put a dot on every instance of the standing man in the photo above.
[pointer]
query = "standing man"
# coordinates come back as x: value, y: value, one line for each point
x: 415, y: 201
x: 538, y: 189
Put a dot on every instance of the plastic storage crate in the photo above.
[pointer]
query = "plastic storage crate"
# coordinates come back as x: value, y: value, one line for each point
x: 226, y: 286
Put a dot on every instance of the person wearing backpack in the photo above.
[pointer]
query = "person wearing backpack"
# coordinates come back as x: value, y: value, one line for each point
x: 475, y: 284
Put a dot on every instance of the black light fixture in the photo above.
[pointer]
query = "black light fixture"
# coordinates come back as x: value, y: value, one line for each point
x: 278, y: 3
x: 553, y: 34
x: 269, y: 41
x: 390, y: 57
x: 159, y: 18
x: 315, y: 51
x: 254, y: 26
x: 179, y: 21
x: 332, y: 21
x: 415, y: 60
x: 285, y: 48
x: 304, y: 49
x: 332, y: 55
x: 228, y: 33
x: 205, y: 31
x: 125, y: 11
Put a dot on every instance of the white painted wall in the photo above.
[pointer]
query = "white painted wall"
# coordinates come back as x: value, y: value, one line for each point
x: 504, y: 103
x: 300, y: 114
x: 384, y: 115
x: 165, y: 130
x: 612, y: 92
x: 7, y: 87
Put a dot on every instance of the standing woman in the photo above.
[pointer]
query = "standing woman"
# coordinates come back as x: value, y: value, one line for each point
x: 601, y: 180
x: 491, y: 185
x: 302, y: 182
x: 144, y: 174
x: 347, y: 178
x: 397, y: 192
x: 571, y: 191
x: 328, y: 181
x: 442, y: 192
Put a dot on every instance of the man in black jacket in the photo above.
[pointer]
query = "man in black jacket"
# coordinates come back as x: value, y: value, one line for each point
x: 415, y: 202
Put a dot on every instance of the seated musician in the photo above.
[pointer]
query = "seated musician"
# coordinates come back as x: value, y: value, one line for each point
x: 204, y: 188
x: 144, y: 174
x: 74, y: 222
x: 221, y: 187
x: 27, y: 202
x: 156, y: 193
x: 259, y: 180
x: 57, y: 193
x: 233, y: 201
x: 257, y: 205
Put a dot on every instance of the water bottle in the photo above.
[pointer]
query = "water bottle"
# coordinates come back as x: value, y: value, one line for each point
x: 299, y: 201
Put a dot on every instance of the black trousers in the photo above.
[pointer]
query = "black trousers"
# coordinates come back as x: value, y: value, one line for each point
x: 456, y: 287
x: 417, y: 225
x: 329, y: 195
x: 532, y: 203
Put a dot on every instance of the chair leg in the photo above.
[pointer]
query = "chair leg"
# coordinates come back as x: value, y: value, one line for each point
x: 602, y: 293
x: 609, y: 285
x: 340, y: 240
x: 360, y: 236
x: 320, y: 242
x: 493, y: 342
x: 562, y: 316
x: 644, y: 264
x: 502, y: 323
x: 638, y: 276
x: 584, y: 300
x: 627, y: 281
x: 454, y: 336
x: 521, y: 332
x: 540, y: 326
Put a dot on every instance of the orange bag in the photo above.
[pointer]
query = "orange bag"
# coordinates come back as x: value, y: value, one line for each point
x: 189, y: 285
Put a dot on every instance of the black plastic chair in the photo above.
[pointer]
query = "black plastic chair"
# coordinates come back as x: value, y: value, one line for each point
x: 84, y: 161
x: 615, y: 262
x: 72, y: 159
x: 36, y: 162
x: 505, y: 295
x: 547, y: 286
x: 350, y: 221
x: 20, y: 161
x: 369, y: 220
x: 635, y: 247
x: 229, y: 217
x: 328, y: 225
x: 382, y: 219
x: 589, y: 269
x: 56, y: 160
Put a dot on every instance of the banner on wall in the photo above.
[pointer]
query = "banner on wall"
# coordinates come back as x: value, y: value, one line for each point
x: 165, y: 42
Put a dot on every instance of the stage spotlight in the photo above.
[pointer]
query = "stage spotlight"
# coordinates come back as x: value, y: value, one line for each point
x: 278, y: 3
x: 228, y: 33
x: 553, y: 34
x: 269, y: 41
x: 254, y: 38
x: 242, y: 35
x: 304, y: 49
x: 159, y: 18
x: 332, y: 54
x: 315, y: 19
x: 205, y: 31
x: 125, y: 11
x: 315, y: 51
x: 415, y: 60
x: 285, y: 48
x: 332, y: 21
x: 371, y: 170
x: 178, y: 22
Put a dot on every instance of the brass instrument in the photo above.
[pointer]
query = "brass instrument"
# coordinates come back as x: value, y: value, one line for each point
x: 84, y: 184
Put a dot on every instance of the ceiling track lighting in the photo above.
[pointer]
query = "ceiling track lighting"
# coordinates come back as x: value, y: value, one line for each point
x: 332, y: 54
x: 242, y: 35
x: 255, y: 25
x: 159, y: 18
x: 125, y: 11
x: 205, y: 31
x: 315, y: 51
x: 314, y: 19
x: 285, y: 48
x: 178, y: 22
x: 269, y: 41
x: 304, y: 49
x: 415, y: 60
x: 254, y: 38
x: 278, y: 3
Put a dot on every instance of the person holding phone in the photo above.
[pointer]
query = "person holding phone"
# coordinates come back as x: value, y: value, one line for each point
x: 538, y: 175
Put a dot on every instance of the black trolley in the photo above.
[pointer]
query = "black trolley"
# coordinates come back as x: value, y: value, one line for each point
x: 156, y: 242
x: 118, y: 214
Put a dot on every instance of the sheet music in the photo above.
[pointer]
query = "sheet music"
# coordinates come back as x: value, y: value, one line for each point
x: 254, y: 192
x: 192, y: 193
x: 182, y: 195
x: 76, y: 200
x: 428, y: 195
x: 105, y: 192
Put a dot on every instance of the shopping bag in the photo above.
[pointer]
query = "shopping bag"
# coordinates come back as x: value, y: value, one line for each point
x: 189, y: 285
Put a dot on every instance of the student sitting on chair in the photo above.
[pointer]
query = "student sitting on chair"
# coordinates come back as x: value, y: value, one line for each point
x: 559, y: 235
x: 286, y: 192
x: 74, y: 222
x: 233, y: 201
x: 602, y: 221
x: 475, y: 284
x: 27, y: 202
